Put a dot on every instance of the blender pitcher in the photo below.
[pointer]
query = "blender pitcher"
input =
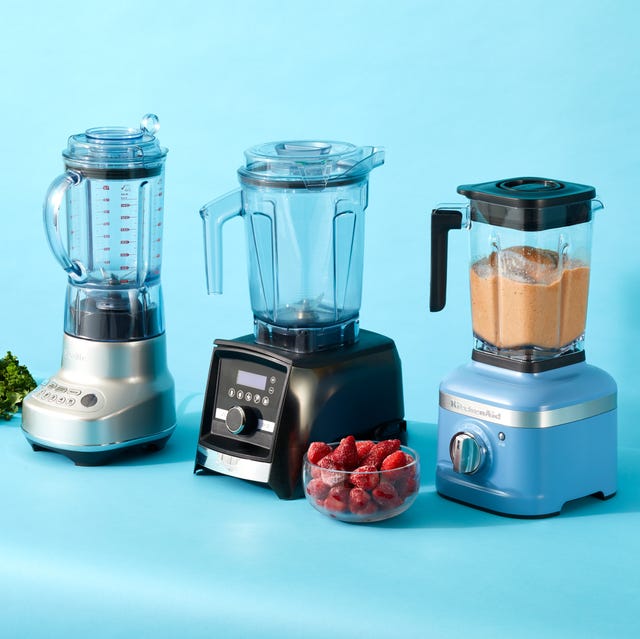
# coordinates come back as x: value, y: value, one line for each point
x: 529, y: 273
x: 303, y: 203
x: 113, y: 186
x: 114, y: 389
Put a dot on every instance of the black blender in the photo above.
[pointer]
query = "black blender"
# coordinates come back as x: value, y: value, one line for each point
x: 307, y: 373
x: 527, y: 425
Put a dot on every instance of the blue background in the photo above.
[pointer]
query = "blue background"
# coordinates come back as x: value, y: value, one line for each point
x: 457, y: 92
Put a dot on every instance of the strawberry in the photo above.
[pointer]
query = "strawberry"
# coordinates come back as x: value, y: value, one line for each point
x: 328, y: 465
x: 369, y: 509
x: 337, y: 499
x: 346, y: 453
x: 394, y: 466
x: 380, y: 451
x: 317, y: 450
x: 358, y: 499
x: 406, y: 486
x: 363, y: 447
x: 386, y: 496
x: 366, y: 477
x: 317, y: 489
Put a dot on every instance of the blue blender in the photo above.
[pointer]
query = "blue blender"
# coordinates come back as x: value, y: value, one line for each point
x: 527, y: 425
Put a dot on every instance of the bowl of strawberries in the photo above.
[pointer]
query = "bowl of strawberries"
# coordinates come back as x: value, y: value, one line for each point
x: 361, y: 481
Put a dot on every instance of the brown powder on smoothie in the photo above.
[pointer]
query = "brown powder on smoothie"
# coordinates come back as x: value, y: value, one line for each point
x: 519, y: 298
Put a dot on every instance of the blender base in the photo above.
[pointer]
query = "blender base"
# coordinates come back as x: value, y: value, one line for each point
x: 290, y: 399
x: 528, y: 443
x: 108, y: 398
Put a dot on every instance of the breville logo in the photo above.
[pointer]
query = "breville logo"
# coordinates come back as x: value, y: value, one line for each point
x: 475, y: 410
x: 75, y: 355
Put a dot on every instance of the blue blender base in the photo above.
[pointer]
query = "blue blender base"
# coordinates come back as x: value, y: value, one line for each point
x: 531, y: 465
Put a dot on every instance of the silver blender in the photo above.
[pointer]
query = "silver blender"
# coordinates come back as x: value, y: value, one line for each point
x: 307, y: 373
x: 113, y: 390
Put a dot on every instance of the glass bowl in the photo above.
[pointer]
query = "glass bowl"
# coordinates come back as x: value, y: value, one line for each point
x: 361, y: 496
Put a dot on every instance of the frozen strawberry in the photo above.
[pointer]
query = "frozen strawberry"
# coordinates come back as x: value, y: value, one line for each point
x: 338, y: 499
x: 394, y: 466
x: 346, y: 453
x: 406, y: 486
x: 368, y: 509
x: 363, y: 447
x: 317, y: 489
x: 386, y: 496
x: 317, y: 450
x: 358, y: 499
x: 366, y: 477
x: 380, y: 451
x: 328, y: 465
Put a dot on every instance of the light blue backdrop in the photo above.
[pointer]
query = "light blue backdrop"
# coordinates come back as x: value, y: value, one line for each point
x: 457, y: 91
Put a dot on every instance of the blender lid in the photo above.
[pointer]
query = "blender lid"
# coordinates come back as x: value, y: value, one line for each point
x: 530, y: 203
x: 116, y: 147
x: 308, y: 164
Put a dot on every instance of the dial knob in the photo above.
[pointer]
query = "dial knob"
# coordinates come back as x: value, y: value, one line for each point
x: 239, y: 420
x: 466, y: 453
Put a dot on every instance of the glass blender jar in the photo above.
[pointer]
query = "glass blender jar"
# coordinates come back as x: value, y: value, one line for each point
x: 511, y: 421
x: 304, y: 372
x: 114, y: 389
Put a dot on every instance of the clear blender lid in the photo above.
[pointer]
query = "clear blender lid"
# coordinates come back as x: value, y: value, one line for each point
x: 530, y: 203
x: 116, y: 147
x: 308, y: 164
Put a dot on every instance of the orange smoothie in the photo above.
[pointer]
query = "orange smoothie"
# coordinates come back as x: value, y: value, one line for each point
x: 520, y: 298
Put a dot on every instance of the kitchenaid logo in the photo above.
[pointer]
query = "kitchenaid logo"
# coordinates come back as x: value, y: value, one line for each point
x: 477, y: 410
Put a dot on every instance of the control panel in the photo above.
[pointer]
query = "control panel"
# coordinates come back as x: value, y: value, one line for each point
x: 249, y: 395
x: 57, y: 393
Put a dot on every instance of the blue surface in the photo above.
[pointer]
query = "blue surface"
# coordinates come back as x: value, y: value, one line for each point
x: 457, y: 92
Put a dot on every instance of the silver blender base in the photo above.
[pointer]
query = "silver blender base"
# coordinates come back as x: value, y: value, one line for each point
x: 107, y: 397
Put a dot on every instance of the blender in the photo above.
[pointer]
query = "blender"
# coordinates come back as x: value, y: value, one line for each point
x: 113, y: 390
x: 308, y: 373
x: 527, y: 425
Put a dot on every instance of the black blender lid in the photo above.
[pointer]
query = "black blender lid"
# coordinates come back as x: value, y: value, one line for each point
x: 529, y: 203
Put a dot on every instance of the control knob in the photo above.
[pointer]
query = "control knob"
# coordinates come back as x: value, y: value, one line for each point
x: 240, y: 420
x: 466, y: 453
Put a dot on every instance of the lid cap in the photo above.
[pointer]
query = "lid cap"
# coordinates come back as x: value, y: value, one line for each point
x: 530, y: 203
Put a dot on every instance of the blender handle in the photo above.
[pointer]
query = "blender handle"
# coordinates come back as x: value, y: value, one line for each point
x: 442, y: 221
x: 51, y: 214
x: 214, y: 215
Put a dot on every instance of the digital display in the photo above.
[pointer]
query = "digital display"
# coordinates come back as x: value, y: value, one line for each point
x: 251, y: 379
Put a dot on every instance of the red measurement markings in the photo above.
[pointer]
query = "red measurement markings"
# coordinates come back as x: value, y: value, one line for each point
x: 125, y: 241
x: 125, y: 217
x: 124, y: 268
x: 158, y: 255
x: 107, y: 236
x: 125, y: 254
x: 125, y: 205
x: 105, y: 187
x: 106, y: 211
x: 106, y: 262
x: 106, y: 199
x: 106, y: 248
x: 124, y: 229
x: 159, y: 224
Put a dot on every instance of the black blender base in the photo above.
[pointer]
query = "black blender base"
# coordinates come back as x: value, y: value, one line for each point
x: 599, y: 495
x: 83, y: 458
